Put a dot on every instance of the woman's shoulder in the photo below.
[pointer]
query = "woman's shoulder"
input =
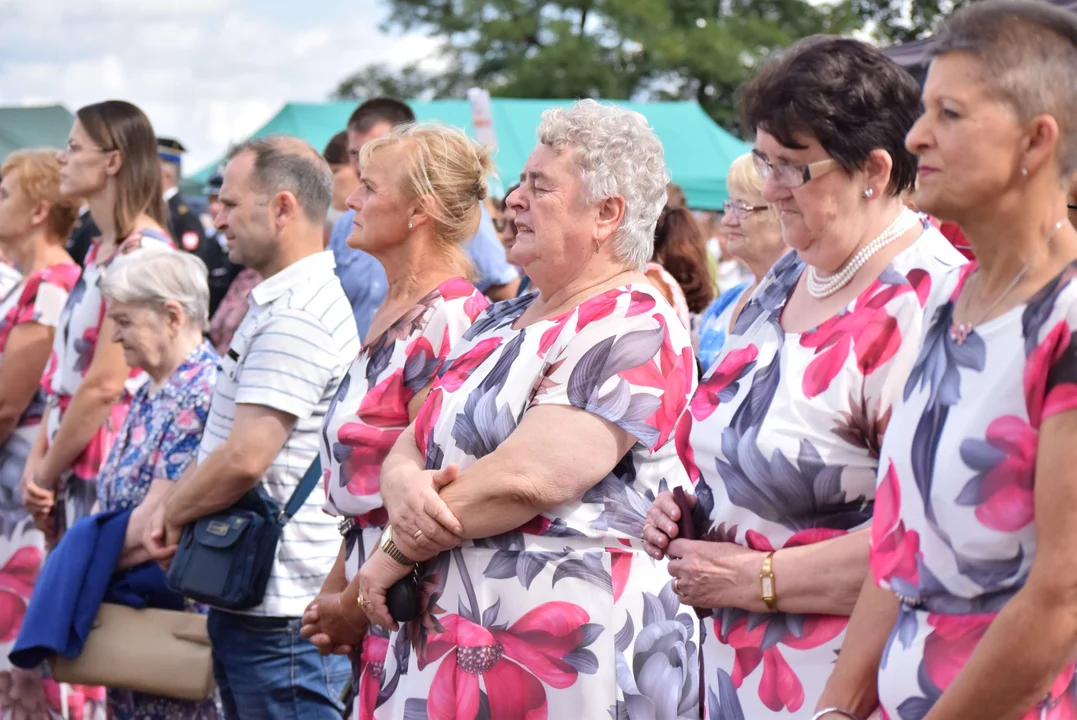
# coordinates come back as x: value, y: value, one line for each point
x: 63, y: 275
x: 931, y: 253
x: 459, y: 295
x: 628, y: 308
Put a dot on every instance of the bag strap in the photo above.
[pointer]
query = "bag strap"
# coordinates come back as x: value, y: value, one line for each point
x: 306, y: 486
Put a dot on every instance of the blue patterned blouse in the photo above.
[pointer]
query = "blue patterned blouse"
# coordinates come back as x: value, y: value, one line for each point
x: 160, y: 437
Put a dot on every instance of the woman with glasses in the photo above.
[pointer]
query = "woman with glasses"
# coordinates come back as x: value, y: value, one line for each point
x: 111, y: 161
x: 754, y: 237
x: 782, y: 437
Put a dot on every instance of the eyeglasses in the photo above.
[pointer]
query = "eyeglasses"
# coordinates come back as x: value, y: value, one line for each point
x: 741, y: 210
x: 71, y: 148
x: 791, y: 176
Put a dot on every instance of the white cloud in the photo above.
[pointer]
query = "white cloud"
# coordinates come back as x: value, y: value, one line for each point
x: 205, y: 71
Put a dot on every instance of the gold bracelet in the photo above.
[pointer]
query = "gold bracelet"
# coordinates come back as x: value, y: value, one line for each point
x: 768, y: 586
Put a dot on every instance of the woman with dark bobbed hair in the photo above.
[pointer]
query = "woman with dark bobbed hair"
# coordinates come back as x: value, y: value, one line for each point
x: 782, y: 436
x: 970, y: 613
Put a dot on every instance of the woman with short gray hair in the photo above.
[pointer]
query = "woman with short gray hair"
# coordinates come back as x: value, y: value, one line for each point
x: 157, y: 301
x: 520, y: 489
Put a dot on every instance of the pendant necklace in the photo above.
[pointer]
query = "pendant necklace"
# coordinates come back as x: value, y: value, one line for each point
x: 959, y: 332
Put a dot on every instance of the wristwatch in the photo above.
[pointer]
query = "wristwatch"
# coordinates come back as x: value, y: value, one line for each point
x: 390, y: 548
x: 768, y: 586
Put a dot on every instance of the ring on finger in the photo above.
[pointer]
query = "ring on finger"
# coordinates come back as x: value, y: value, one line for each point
x: 645, y: 526
x: 363, y: 602
x: 418, y: 534
x: 676, y: 586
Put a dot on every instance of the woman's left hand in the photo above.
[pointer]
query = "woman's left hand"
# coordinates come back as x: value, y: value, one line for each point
x: 421, y: 520
x: 716, y: 574
x: 375, y: 578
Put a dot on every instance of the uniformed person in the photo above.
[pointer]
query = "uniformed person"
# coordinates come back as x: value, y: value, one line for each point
x: 82, y: 236
x: 185, y: 225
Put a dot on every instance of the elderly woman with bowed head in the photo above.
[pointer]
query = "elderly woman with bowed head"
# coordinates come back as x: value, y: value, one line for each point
x: 970, y: 613
x: 782, y: 437
x: 521, y: 487
x: 418, y: 199
x: 158, y: 305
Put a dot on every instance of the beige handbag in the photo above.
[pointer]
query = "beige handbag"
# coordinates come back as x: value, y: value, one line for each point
x: 162, y: 652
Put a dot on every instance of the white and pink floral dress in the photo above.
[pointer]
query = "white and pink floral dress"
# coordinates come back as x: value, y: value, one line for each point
x: 565, y: 616
x: 954, y: 533
x: 72, y: 352
x: 782, y: 439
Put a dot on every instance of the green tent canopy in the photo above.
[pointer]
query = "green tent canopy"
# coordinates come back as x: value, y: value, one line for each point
x: 33, y: 127
x: 698, y: 151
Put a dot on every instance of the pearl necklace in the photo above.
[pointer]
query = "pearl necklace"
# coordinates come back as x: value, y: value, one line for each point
x: 824, y: 287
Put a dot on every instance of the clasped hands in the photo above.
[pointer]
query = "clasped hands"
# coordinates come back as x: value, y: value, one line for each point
x: 423, y: 526
x: 705, y: 574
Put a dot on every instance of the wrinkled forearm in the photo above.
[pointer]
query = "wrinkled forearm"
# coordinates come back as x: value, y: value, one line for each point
x: 215, y: 484
x: 822, y: 578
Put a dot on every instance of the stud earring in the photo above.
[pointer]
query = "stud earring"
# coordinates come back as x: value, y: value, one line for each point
x: 1024, y: 172
x: 411, y: 225
x: 869, y: 193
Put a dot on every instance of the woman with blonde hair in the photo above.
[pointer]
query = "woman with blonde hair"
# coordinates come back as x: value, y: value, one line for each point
x: 111, y: 160
x: 35, y: 221
x: 754, y: 237
x: 418, y: 199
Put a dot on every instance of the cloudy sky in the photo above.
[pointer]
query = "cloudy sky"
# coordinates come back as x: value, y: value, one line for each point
x: 205, y: 71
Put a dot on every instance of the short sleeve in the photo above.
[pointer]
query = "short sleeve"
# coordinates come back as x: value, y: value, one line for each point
x: 289, y: 365
x: 632, y: 366
x: 488, y: 254
x: 1050, y: 380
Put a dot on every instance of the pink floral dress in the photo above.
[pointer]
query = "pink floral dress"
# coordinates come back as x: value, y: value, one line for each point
x: 782, y: 439
x: 24, y: 693
x: 954, y: 533
x: 72, y: 351
x: 370, y: 412
x: 565, y: 616
x: 371, y: 407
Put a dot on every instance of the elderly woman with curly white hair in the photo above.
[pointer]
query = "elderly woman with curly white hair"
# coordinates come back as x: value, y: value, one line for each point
x: 519, y: 492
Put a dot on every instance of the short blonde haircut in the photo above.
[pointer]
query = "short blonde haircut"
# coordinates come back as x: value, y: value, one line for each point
x: 444, y: 164
x: 39, y: 179
x: 151, y: 276
x: 743, y: 177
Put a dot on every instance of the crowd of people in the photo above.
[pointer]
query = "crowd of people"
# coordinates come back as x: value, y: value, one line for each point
x: 619, y: 481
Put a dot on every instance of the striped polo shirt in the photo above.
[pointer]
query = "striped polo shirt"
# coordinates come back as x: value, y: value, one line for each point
x: 290, y: 353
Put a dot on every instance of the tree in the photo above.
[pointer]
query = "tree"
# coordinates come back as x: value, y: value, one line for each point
x: 615, y: 49
x: 900, y: 21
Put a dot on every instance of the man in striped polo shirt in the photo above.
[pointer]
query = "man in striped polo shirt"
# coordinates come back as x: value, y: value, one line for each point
x: 281, y: 371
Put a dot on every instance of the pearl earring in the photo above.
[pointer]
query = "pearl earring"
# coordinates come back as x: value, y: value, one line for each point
x: 411, y: 225
x: 869, y: 193
x: 1024, y: 172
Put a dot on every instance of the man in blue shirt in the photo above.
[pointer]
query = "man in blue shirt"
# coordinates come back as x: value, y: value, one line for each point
x: 361, y: 275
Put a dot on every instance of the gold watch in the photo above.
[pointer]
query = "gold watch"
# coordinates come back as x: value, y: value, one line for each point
x: 390, y: 548
x: 768, y: 587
